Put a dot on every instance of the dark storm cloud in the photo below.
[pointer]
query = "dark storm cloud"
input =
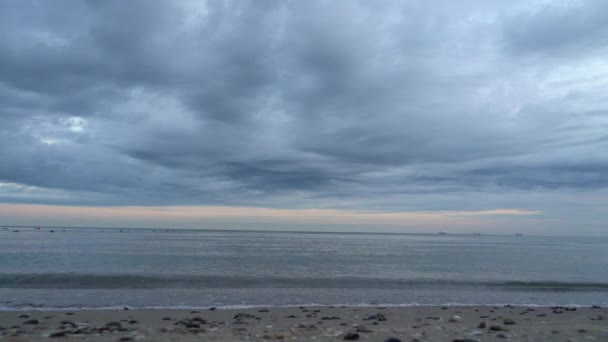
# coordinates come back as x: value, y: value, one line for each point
x: 295, y: 104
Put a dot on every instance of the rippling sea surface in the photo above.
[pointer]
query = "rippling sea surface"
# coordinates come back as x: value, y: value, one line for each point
x: 100, y: 268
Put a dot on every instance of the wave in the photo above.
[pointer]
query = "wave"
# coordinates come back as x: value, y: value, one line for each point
x: 124, y: 281
x: 266, y: 306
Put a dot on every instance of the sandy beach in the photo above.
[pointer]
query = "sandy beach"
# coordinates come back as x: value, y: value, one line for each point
x: 470, y: 323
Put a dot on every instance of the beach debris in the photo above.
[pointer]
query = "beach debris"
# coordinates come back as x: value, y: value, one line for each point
x: 329, y: 318
x: 24, y: 316
x: 455, y: 319
x: 482, y: 325
x: 31, y: 322
x: 497, y: 328
x: 351, y: 336
x: 166, y: 318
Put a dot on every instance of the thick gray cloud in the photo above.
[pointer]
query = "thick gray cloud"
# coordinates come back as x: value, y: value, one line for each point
x: 384, y: 105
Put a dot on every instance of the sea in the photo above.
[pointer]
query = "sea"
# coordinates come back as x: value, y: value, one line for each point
x: 101, y: 268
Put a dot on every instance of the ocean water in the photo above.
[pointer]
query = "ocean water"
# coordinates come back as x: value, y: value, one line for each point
x: 101, y: 268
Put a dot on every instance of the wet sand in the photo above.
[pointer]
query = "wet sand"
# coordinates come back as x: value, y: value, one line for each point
x: 471, y: 323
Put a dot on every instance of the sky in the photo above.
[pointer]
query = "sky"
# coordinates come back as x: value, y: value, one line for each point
x: 410, y: 116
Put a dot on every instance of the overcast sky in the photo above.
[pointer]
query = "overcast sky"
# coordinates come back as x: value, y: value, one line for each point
x: 496, y: 110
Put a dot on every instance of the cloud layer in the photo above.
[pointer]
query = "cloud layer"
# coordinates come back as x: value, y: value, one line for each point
x: 384, y: 105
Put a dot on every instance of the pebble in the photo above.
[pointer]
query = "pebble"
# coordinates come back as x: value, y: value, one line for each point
x: 113, y: 325
x: 57, y: 334
x: 351, y: 336
x: 455, y: 319
x: 508, y: 321
x: 363, y: 329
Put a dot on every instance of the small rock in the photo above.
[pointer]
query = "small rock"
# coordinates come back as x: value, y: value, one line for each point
x: 69, y: 313
x: 501, y: 335
x: 24, y: 316
x: 31, y: 322
x: 455, y: 319
x: 241, y: 315
x: 363, y: 329
x: 166, y: 318
x: 57, y: 334
x: 351, y: 336
x: 482, y: 325
x: 113, y: 326
x: 70, y: 323
x: 126, y: 339
x: 464, y: 340
x: 496, y: 328
x: 582, y: 330
x: 392, y: 339
x: 596, y: 307
x: 508, y: 321
x: 263, y: 310
x: 378, y: 317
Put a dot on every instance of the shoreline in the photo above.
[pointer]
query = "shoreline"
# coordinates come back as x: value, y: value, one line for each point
x: 319, y: 323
